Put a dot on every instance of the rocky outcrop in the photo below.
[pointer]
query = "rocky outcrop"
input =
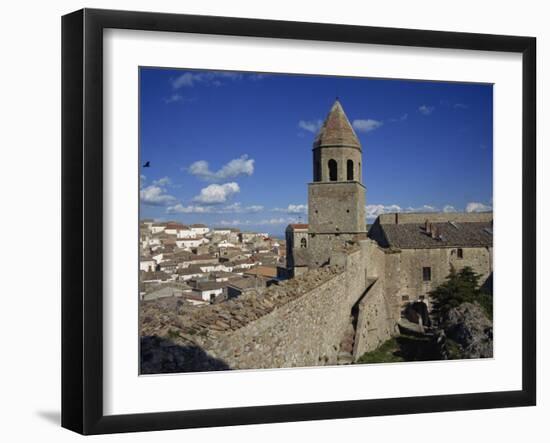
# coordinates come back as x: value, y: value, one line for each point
x: 468, y: 326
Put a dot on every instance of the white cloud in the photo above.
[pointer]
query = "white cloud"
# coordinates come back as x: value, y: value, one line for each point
x: 238, y: 166
x: 310, y: 126
x: 293, y: 209
x: 400, y: 119
x: 449, y: 208
x: 162, y: 181
x: 174, y: 98
x: 374, y: 211
x: 191, y: 209
x: 423, y: 208
x: 426, y: 110
x: 214, y: 194
x: 187, y: 79
x: 478, y: 207
x: 297, y: 209
x: 234, y: 208
x: 191, y: 79
x: 239, y: 208
x: 264, y: 222
x: 155, y: 196
x: 367, y: 125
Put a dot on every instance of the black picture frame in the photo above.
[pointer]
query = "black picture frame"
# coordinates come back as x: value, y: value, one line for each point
x: 82, y: 215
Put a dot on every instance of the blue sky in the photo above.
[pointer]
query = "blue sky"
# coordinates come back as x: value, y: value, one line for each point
x: 229, y: 148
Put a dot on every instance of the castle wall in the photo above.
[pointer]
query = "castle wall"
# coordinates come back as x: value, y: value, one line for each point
x: 375, y: 323
x: 375, y: 320
x: 305, y: 332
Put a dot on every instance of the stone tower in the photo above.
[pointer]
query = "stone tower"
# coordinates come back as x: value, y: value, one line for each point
x: 336, y: 197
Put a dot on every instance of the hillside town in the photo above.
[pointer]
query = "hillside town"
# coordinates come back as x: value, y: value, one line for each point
x: 202, y: 265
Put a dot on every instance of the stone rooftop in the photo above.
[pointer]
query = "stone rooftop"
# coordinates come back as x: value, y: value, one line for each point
x: 337, y: 130
x: 187, y: 325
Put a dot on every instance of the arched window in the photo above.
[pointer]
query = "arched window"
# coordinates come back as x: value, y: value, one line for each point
x: 303, y: 243
x: 350, y: 169
x: 332, y: 170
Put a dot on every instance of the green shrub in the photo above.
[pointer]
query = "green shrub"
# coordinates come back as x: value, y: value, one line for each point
x: 460, y: 287
x: 385, y: 353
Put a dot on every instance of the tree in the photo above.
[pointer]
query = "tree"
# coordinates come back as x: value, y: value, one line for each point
x: 459, y: 287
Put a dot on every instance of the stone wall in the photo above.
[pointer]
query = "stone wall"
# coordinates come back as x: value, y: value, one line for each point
x: 376, y: 320
x: 308, y: 330
x: 300, y: 322
x: 305, y: 332
x: 375, y: 323
x: 336, y: 215
x: 404, y: 274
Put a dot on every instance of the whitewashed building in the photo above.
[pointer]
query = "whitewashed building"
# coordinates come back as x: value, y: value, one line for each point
x: 187, y: 243
x: 147, y: 265
x: 157, y: 228
x: 200, y: 229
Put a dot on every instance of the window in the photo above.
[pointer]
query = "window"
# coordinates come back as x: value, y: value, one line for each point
x: 460, y: 253
x: 350, y: 169
x: 332, y: 170
x: 426, y: 274
x: 303, y: 243
x: 405, y: 298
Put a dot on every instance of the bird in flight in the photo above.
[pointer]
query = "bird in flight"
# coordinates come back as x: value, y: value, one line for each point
x: 147, y: 164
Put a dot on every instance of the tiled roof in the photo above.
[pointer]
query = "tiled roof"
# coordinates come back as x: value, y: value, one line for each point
x: 298, y: 225
x: 153, y: 275
x: 415, y: 236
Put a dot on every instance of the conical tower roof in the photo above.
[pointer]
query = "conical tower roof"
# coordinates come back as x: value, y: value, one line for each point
x: 337, y: 130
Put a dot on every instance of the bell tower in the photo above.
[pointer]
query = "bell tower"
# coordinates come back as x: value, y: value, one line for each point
x: 336, y: 197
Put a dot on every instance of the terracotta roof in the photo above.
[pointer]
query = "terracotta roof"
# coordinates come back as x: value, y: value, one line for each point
x: 337, y: 130
x: 299, y: 225
x: 264, y: 271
